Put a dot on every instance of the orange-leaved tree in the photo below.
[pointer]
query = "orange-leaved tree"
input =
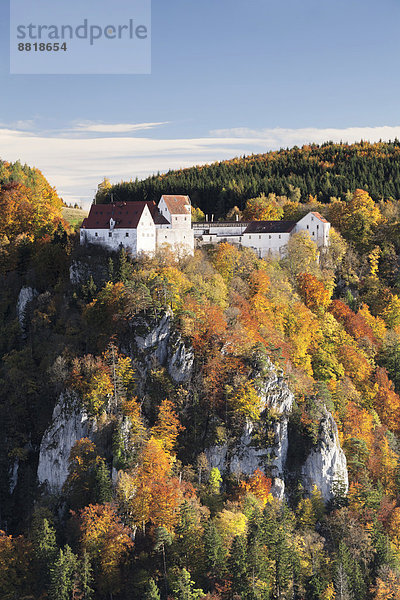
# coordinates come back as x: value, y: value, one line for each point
x: 259, y: 485
x: 387, y: 402
x: 167, y: 427
x: 149, y: 494
x: 313, y: 292
x: 108, y: 543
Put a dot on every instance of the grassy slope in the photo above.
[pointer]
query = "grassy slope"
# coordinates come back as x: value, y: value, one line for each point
x: 74, y: 216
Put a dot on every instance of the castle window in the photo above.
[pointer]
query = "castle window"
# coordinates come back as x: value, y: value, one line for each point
x: 96, y: 234
x: 313, y: 233
x: 279, y: 237
x: 109, y: 234
x: 317, y: 226
x: 270, y: 236
x: 308, y: 227
x: 259, y: 237
x: 249, y: 237
x: 127, y: 234
x: 312, y: 218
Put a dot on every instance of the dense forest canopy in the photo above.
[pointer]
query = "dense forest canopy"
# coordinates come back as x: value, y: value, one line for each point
x: 325, y: 171
x: 29, y: 206
x: 142, y: 515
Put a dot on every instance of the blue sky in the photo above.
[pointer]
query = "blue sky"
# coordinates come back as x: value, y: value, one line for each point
x: 228, y: 77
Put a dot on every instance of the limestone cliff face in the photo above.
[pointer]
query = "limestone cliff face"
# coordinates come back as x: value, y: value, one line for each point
x: 160, y: 341
x: 247, y: 456
x: 70, y: 423
x: 26, y: 295
x: 324, y: 466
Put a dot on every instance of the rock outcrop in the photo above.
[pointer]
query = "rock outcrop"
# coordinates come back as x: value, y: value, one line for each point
x: 69, y: 424
x: 161, y: 342
x: 14, y: 475
x: 325, y: 465
x: 81, y: 271
x: 26, y: 295
x: 246, y: 456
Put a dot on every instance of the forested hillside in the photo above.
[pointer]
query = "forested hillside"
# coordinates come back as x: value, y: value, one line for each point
x: 167, y: 422
x: 30, y: 207
x: 325, y: 171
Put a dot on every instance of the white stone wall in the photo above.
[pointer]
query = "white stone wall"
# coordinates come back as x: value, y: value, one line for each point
x: 162, y: 207
x: 111, y: 239
x: 146, y: 233
x: 266, y: 243
x: 177, y: 239
x: 317, y: 229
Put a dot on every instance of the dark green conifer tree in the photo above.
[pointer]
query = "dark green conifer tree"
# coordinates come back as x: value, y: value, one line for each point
x: 152, y: 591
x: 184, y: 588
x: 85, y: 578
x: 45, y: 549
x: 238, y: 567
x: 214, y: 553
x: 63, y: 575
x: 102, y: 483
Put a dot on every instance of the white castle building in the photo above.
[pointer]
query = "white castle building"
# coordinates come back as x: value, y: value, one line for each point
x: 143, y: 227
x: 264, y: 237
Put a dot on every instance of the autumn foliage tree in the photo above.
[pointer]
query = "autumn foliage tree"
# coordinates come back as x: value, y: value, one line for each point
x: 98, y: 380
x: 387, y: 402
x: 259, y: 485
x: 108, y: 543
x: 313, y: 292
x: 149, y: 494
x: 263, y: 208
x: 167, y: 427
x: 33, y: 210
x: 16, y: 567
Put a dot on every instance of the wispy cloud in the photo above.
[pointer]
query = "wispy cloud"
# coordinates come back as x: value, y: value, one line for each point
x: 279, y: 137
x: 75, y: 163
x: 89, y: 127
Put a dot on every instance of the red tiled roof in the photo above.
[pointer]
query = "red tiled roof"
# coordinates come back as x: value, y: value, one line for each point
x: 127, y: 215
x: 320, y: 217
x: 177, y: 205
